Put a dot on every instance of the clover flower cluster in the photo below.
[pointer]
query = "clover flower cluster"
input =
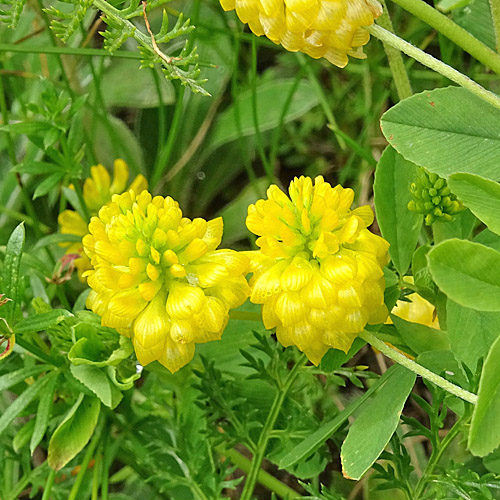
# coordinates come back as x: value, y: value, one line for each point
x: 97, y: 191
x: 318, y: 273
x: 332, y: 29
x: 158, y: 278
x: 432, y: 198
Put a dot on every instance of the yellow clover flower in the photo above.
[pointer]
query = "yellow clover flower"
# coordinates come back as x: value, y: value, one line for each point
x: 318, y: 273
x: 416, y: 309
x: 332, y: 29
x: 158, y: 278
x: 97, y: 191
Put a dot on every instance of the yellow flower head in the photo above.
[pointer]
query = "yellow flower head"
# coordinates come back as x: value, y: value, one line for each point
x: 158, y: 277
x: 332, y: 29
x: 97, y: 191
x: 417, y: 310
x: 318, y: 273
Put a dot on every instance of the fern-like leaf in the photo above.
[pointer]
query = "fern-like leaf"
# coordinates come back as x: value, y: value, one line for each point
x: 10, y: 11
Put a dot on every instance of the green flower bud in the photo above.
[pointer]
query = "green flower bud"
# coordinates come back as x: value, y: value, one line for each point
x: 432, y: 198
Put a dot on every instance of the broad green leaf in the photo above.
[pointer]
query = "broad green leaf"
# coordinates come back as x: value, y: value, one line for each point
x: 489, y: 239
x: 471, y: 332
x: 37, y: 168
x: 124, y: 384
x: 99, y: 383
x: 43, y: 412
x: 460, y: 227
x: 40, y: 322
x: 74, y: 431
x: 10, y: 274
x: 420, y: 338
x: 399, y: 226
x: 15, y: 377
x: 480, y: 195
x: 467, y: 273
x: 375, y: 425
x: 446, y: 131
x: 271, y: 97
x: 476, y: 18
x: 484, y: 435
x: 137, y: 92
x: 21, y: 402
x: 313, y: 441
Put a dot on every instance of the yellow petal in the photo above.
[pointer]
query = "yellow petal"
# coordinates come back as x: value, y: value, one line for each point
x: 184, y: 300
x: 176, y: 355
x: 120, y: 177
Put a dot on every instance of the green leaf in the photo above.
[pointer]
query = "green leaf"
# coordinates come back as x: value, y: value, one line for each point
x: 313, y: 441
x: 13, y: 378
x: 399, y: 226
x: 57, y: 238
x: 36, y: 168
x: 271, y: 98
x: 484, y: 435
x: 375, y: 425
x: 489, y: 239
x: 466, y: 273
x: 420, y: 338
x: 27, y: 128
x: 138, y: 92
x: 20, y: 403
x: 40, y: 322
x: 476, y: 18
x: 99, y: 383
x: 471, y: 332
x: 460, y: 227
x: 23, y: 435
x: 10, y: 275
x: 74, y: 431
x: 481, y: 195
x: 47, y: 184
x: 41, y: 420
x: 446, y: 130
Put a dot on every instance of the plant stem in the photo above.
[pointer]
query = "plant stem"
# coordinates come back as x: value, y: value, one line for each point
x: 266, y: 430
x: 263, y: 478
x: 418, y: 369
x: 48, y: 484
x: 395, y: 59
x: 495, y: 14
x: 453, y: 31
x: 434, y: 64
x: 436, y: 456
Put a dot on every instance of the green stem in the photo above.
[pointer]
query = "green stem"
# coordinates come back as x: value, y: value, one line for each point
x: 436, y: 457
x: 37, y: 352
x: 71, y: 51
x: 266, y: 430
x: 453, y: 31
x: 395, y: 59
x: 418, y: 369
x: 495, y: 14
x: 48, y: 485
x: 434, y: 64
x: 264, y: 478
x: 268, y: 167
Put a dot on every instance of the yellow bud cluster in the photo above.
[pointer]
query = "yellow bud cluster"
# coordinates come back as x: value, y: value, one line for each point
x: 332, y: 29
x: 158, y: 278
x: 318, y: 273
x: 97, y: 191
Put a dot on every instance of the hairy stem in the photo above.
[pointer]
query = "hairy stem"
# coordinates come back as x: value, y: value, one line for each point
x: 434, y: 64
x: 418, y: 369
x: 266, y: 430
x: 395, y: 59
x: 453, y: 31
